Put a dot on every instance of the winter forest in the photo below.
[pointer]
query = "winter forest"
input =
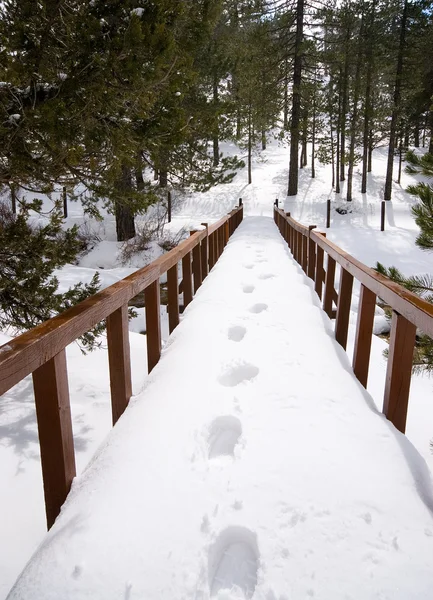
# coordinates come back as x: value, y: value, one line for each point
x: 126, y: 125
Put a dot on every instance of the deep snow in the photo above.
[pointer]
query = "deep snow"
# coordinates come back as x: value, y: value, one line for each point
x: 21, y: 499
x: 252, y: 465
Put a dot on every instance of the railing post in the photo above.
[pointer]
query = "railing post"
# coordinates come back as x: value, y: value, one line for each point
x: 173, y: 298
x: 196, y: 265
x: 187, y: 279
x: 364, y: 331
x: 211, y: 250
x: 119, y: 361
x: 53, y: 411
x: 226, y: 233
x: 399, y: 370
x: 311, y: 254
x: 304, y: 252
x: 343, y: 307
x: 153, y: 323
x: 205, y: 253
x: 319, y: 270
x: 329, y: 286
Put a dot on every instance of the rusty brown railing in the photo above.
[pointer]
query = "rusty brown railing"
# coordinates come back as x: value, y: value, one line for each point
x: 41, y: 351
x: 409, y: 312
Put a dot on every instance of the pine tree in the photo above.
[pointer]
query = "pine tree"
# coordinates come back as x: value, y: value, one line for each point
x: 28, y: 257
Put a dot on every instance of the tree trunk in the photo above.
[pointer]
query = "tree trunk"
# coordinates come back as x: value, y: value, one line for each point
x: 125, y: 226
x: 370, y: 151
x: 286, y: 97
x: 396, y: 104
x: 313, y: 137
x: 344, y: 107
x: 400, y: 160
x: 215, y: 139
x: 367, y: 104
x: 354, y: 118
x: 250, y: 145
x: 430, y: 116
x: 139, y: 179
x: 304, y: 158
x: 338, y: 156
x: 263, y: 139
x: 416, y: 133
x: 296, y: 101
x: 163, y: 178
x: 155, y: 174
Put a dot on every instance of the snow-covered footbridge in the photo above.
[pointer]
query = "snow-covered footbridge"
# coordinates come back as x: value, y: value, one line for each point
x: 254, y: 464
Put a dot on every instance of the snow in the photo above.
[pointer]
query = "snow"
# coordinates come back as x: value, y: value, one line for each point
x: 252, y: 465
x: 358, y: 233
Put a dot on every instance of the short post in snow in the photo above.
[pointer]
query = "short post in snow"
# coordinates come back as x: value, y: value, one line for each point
x: 382, y: 215
x: 65, y: 203
x: 328, y: 213
x: 169, y: 207
x: 240, y: 201
x: 276, y: 203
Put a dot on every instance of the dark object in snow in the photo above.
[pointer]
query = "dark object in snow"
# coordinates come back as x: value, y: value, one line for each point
x: 342, y: 210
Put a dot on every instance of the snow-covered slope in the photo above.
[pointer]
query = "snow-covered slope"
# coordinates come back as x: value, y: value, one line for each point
x: 253, y: 464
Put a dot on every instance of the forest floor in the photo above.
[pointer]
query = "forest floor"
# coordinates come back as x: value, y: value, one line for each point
x: 357, y: 232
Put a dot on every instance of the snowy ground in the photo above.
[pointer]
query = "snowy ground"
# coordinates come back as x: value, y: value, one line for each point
x: 252, y: 465
x: 358, y: 232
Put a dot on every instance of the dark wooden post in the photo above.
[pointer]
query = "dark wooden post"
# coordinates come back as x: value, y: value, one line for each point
x: 53, y: 411
x: 311, y: 254
x: 196, y: 265
x: 205, y: 253
x: 329, y: 286
x: 304, y: 253
x: 153, y: 324
x: 343, y: 307
x: 65, y: 202
x: 169, y: 207
x: 364, y: 331
x: 328, y: 213
x: 382, y: 215
x: 211, y: 250
x: 240, y: 201
x: 319, y: 270
x: 226, y: 233
x: 173, y: 298
x: 119, y: 361
x: 187, y: 279
x: 276, y: 202
x: 399, y: 370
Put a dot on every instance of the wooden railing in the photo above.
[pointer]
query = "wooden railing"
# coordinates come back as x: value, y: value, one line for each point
x: 41, y: 351
x: 409, y: 312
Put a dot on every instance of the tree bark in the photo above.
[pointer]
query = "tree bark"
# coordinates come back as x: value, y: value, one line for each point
x: 344, y: 107
x: 125, y: 226
x: 250, y: 144
x: 215, y: 139
x: 396, y: 104
x: 354, y: 118
x: 367, y: 105
x: 296, y: 101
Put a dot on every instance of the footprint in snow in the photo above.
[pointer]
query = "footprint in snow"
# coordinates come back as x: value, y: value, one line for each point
x: 249, y: 266
x: 234, y: 562
x: 258, y: 308
x: 224, y: 435
x: 248, y: 289
x: 238, y: 373
x: 266, y: 276
x: 236, y: 333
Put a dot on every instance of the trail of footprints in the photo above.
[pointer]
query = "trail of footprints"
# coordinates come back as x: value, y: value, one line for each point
x: 234, y: 557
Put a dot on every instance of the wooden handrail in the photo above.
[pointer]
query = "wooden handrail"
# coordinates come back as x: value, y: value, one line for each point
x: 406, y: 303
x: 409, y: 311
x: 41, y: 351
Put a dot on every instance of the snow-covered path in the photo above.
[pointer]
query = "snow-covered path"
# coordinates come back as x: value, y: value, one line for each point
x: 252, y: 465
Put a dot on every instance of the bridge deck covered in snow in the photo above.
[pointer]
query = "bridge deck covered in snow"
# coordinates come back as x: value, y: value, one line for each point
x: 252, y: 465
